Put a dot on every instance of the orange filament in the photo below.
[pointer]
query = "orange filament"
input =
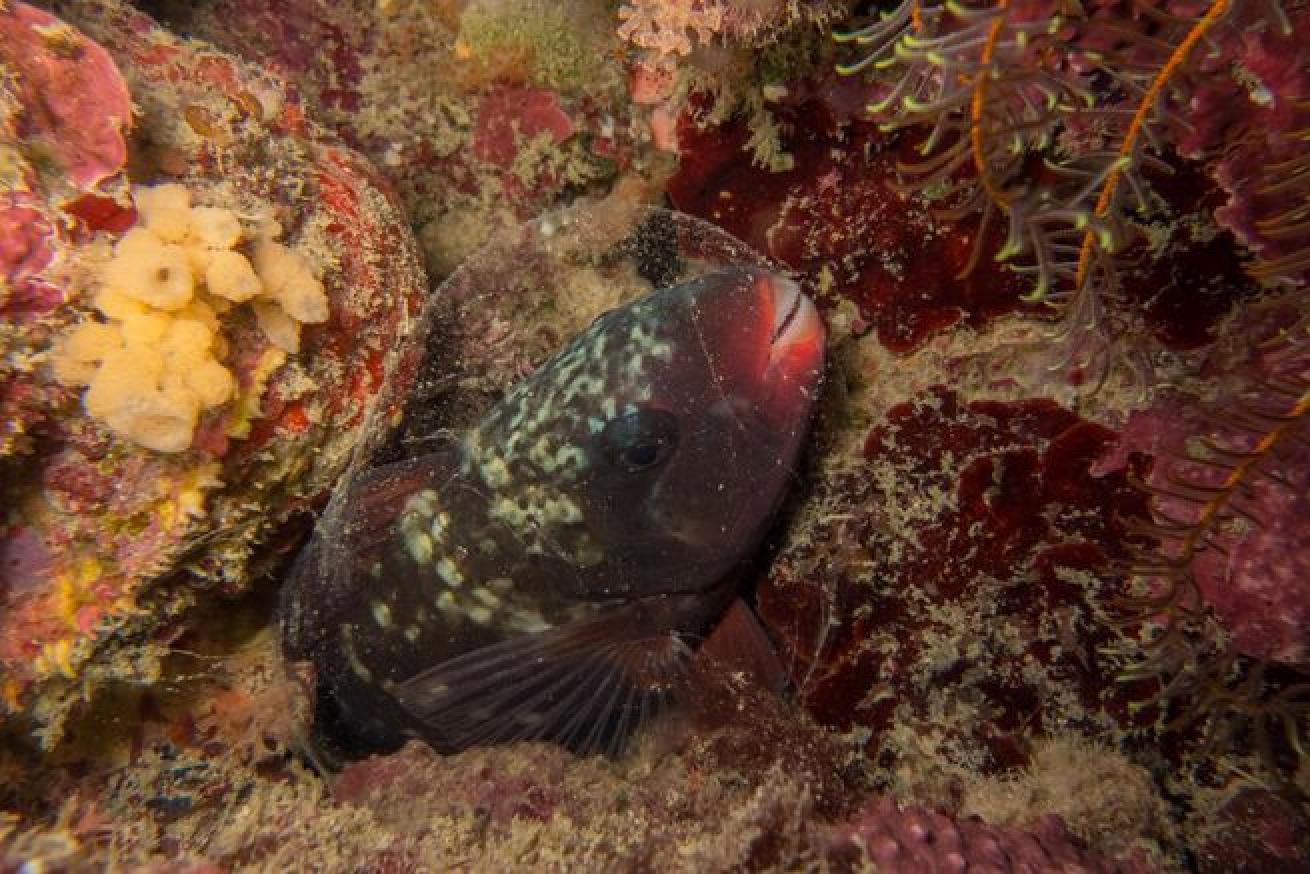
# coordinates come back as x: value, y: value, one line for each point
x: 1224, y: 492
x: 976, y: 143
x: 1139, y: 120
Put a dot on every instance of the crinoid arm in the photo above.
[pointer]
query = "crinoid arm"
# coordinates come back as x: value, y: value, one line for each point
x: 1222, y: 508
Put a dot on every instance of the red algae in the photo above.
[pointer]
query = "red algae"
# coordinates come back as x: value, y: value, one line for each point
x: 838, y: 217
x: 981, y: 535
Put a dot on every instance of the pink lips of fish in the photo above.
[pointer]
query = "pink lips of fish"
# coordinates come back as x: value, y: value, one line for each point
x: 796, y: 345
x: 766, y: 338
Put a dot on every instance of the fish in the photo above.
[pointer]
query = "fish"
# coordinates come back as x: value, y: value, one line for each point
x: 551, y: 573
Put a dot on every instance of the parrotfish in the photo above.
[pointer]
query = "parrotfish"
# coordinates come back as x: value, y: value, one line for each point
x: 551, y: 574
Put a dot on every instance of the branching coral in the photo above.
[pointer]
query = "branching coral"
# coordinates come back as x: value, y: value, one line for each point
x: 670, y: 28
x: 1053, y: 117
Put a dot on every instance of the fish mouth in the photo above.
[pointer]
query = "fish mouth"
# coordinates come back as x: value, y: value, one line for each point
x: 796, y: 338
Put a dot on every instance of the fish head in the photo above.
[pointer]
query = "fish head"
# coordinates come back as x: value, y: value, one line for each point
x: 664, y: 437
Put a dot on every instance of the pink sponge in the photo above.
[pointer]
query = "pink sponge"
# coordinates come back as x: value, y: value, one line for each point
x: 916, y: 840
x: 75, y: 102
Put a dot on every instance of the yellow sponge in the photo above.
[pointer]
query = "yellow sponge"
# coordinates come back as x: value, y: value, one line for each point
x: 230, y: 276
x: 147, y: 269
x: 166, y: 210
x: 289, y: 280
x: 156, y: 363
x: 84, y: 349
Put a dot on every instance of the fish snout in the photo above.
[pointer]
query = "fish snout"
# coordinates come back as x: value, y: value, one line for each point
x: 796, y: 340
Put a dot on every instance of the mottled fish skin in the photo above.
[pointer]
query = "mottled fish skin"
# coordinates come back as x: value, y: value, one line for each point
x: 549, y: 575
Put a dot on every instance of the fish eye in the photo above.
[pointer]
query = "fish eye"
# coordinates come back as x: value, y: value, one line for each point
x: 640, y: 440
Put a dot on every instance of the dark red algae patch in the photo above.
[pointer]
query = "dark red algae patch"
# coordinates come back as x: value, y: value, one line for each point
x: 1193, y: 273
x: 837, y: 219
x: 953, y: 581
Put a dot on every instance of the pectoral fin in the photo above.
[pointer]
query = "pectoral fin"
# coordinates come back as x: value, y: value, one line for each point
x: 586, y: 685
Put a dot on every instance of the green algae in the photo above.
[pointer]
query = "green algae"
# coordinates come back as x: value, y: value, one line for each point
x: 560, y: 48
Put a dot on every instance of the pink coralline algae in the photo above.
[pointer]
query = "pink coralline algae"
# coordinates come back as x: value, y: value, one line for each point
x: 64, y: 119
x: 70, y: 100
x: 95, y: 526
x: 1254, y: 95
x: 1230, y: 480
x: 24, y: 241
x: 507, y: 113
x: 916, y: 840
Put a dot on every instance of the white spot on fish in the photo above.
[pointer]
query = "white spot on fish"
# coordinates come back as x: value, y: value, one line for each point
x: 440, y: 524
x: 508, y: 512
x: 527, y: 621
x: 487, y: 597
x: 571, y: 455
x: 360, y: 669
x: 449, y: 573
x: 419, y: 544
x: 381, y: 614
x: 421, y: 503
x: 495, y: 473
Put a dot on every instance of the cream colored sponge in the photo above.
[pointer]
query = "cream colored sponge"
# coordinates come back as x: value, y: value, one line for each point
x: 156, y: 361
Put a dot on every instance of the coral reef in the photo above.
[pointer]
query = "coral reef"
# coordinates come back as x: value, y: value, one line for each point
x: 105, y: 541
x: 1040, y: 593
x: 479, y: 114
